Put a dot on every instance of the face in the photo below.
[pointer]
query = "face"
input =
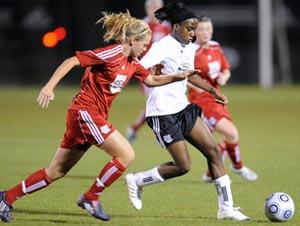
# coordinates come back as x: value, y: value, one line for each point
x: 185, y: 31
x: 204, y: 32
x: 139, y: 46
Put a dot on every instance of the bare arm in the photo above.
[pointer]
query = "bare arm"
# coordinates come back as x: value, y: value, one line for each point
x: 223, y: 77
x: 47, y: 92
x: 159, y: 80
x: 202, y: 84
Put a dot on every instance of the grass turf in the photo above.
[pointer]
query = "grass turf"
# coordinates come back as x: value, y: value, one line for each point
x: 269, y: 130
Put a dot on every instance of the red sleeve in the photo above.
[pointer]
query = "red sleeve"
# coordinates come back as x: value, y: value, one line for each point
x: 89, y: 58
x: 141, y: 73
x: 224, y: 62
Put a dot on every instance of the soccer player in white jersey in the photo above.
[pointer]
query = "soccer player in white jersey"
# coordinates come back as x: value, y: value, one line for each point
x: 174, y: 120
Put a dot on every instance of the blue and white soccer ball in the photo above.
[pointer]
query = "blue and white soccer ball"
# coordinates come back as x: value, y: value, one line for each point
x: 279, y: 207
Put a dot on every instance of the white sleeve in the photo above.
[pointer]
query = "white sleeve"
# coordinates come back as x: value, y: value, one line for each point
x: 154, y: 56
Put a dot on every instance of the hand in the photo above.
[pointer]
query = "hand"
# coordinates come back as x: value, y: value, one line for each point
x: 156, y: 69
x: 192, y: 72
x: 220, y: 98
x: 46, y: 95
x: 223, y: 77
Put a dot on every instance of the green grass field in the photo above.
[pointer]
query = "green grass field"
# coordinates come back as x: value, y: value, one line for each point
x: 268, y: 123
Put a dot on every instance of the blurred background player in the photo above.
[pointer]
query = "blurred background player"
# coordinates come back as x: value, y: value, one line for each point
x: 108, y: 70
x: 215, y: 69
x: 176, y: 122
x: 159, y: 30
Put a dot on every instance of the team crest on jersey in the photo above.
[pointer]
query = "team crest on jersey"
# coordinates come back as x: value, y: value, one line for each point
x: 117, y: 85
x: 168, y: 138
x: 214, y: 69
x: 105, y: 129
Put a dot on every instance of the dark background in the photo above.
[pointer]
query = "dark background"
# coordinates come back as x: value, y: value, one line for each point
x: 25, y: 61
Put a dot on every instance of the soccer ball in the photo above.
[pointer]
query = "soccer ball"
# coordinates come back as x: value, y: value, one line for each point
x: 279, y: 207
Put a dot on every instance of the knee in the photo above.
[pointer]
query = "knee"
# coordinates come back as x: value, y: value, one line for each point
x: 127, y: 158
x: 214, y: 154
x: 232, y: 136
x: 184, y: 169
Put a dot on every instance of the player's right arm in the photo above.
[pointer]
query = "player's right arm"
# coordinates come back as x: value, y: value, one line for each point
x: 47, y: 92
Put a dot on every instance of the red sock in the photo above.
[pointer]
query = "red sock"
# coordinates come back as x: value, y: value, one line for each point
x: 139, y: 121
x: 234, y: 154
x: 109, y: 174
x: 34, y: 182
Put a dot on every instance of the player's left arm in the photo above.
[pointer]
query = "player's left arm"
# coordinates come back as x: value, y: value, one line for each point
x: 197, y: 81
x: 225, y: 73
x: 223, y: 77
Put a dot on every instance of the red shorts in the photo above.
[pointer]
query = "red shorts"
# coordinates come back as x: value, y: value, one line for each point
x: 85, y: 128
x: 212, y: 111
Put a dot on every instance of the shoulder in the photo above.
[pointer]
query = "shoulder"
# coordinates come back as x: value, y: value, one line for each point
x: 194, y: 46
x: 214, y: 44
x: 109, y: 48
x: 162, y: 43
x: 109, y: 52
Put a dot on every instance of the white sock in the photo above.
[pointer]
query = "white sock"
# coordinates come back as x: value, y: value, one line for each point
x: 224, y: 192
x: 151, y: 176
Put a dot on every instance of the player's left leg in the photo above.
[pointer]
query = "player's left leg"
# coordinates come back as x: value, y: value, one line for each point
x: 122, y: 155
x: 231, y: 144
x: 201, y: 138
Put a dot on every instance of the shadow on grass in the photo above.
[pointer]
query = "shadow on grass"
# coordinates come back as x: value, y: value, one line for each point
x: 116, y: 216
x: 40, y: 212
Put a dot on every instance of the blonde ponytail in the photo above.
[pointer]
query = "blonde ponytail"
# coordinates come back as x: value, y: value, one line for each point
x: 121, y: 26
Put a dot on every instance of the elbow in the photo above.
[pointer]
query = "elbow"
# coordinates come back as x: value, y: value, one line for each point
x: 150, y: 81
x: 72, y: 61
x: 149, y: 84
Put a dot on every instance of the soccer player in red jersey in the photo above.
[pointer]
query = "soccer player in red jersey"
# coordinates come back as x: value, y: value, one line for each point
x: 215, y: 69
x: 159, y: 30
x: 107, y: 71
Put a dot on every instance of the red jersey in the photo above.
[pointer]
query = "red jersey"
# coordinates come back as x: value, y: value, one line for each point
x: 210, y: 61
x: 159, y: 30
x: 108, y: 70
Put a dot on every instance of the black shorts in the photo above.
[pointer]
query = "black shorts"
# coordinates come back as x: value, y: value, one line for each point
x: 169, y: 129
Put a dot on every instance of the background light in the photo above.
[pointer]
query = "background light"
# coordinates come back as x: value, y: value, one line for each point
x: 50, y: 39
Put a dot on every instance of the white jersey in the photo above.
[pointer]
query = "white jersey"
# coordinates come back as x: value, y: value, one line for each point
x: 176, y: 58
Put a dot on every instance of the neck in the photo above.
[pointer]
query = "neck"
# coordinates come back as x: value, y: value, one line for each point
x: 177, y: 38
x: 203, y: 44
x: 126, y: 49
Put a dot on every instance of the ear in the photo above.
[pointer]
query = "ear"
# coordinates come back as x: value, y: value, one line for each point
x: 131, y: 41
x: 176, y: 26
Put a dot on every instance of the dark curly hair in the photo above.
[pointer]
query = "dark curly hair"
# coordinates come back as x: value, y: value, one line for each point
x: 175, y: 12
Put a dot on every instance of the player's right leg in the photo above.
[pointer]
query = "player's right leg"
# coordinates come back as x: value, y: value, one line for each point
x: 63, y: 161
x: 5, y: 209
